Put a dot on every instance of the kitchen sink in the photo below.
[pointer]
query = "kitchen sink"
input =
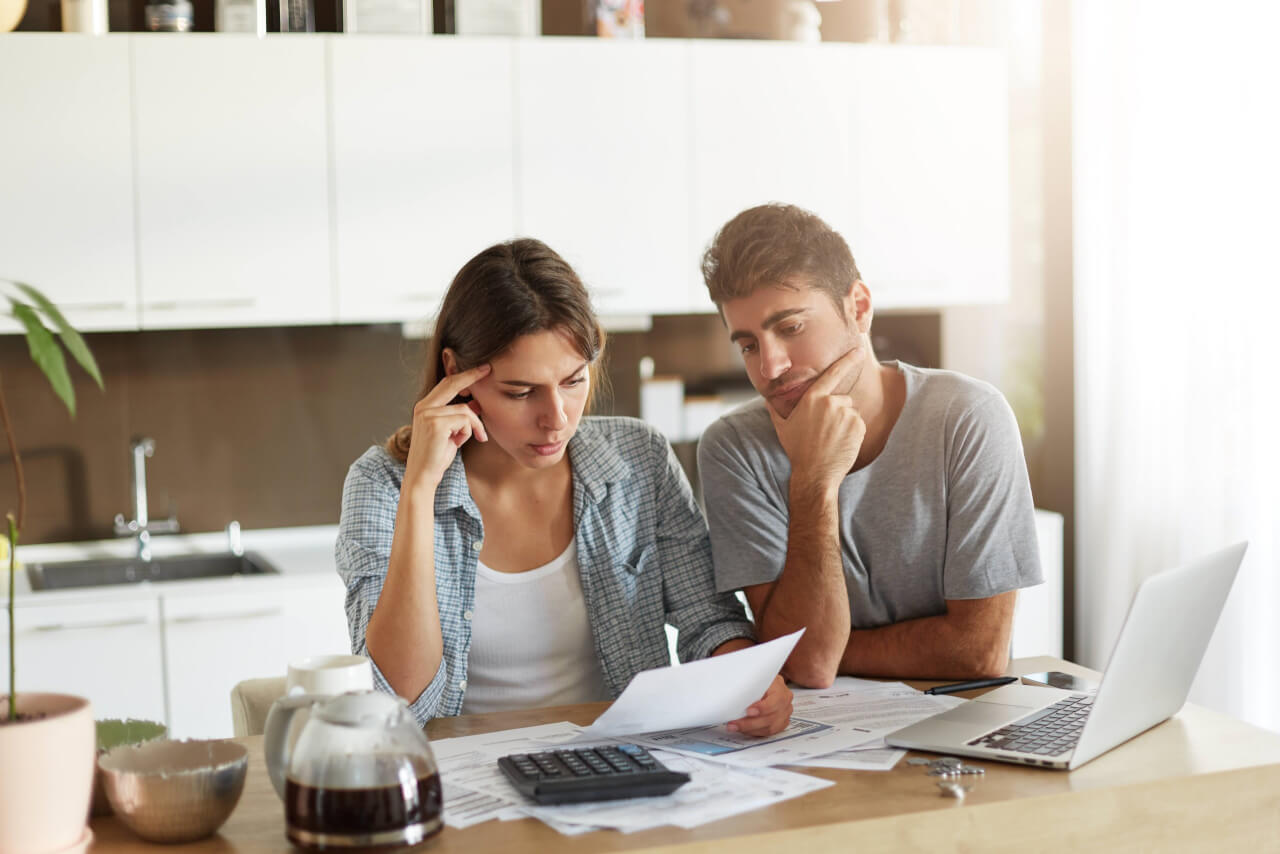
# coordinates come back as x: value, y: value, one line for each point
x: 131, y: 570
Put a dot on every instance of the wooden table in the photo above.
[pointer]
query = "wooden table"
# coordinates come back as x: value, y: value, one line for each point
x: 1199, y: 782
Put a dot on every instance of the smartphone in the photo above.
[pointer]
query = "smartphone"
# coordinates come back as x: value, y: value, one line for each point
x: 1058, y: 679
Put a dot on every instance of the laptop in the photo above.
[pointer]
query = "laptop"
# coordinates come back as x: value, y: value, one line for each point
x: 1146, y: 681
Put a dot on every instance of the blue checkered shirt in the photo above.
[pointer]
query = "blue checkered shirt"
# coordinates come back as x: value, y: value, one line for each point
x: 642, y: 547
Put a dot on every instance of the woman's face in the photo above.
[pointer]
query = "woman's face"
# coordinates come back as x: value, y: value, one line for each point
x: 533, y: 399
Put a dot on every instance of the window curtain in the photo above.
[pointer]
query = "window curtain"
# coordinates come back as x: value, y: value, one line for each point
x: 1176, y: 146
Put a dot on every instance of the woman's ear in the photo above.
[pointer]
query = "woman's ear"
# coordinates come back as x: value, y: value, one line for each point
x: 450, y: 361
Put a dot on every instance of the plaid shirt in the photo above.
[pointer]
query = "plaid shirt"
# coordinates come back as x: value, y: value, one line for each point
x: 642, y: 544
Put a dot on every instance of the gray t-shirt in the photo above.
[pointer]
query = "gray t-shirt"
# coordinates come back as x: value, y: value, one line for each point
x: 944, y: 512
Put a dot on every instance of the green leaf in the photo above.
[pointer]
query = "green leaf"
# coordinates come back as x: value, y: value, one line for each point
x: 46, y: 353
x: 70, y: 337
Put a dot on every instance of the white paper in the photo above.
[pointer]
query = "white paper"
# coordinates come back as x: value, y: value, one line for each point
x: 476, y: 790
x: 858, y: 759
x: 714, y: 792
x: 878, y: 708
x: 802, y: 739
x: 699, y: 693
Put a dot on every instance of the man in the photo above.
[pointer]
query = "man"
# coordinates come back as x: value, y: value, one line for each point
x: 884, y: 508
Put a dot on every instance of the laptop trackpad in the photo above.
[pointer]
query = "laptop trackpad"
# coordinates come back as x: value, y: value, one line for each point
x: 984, y: 713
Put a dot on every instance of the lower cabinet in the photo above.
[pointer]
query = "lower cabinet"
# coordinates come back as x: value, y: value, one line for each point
x: 214, y: 641
x: 109, y: 652
x: 175, y: 657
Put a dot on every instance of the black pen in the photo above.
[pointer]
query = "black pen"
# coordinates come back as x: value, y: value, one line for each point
x: 970, y: 686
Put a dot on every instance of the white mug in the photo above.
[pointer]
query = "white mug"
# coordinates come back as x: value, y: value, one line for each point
x: 329, y: 674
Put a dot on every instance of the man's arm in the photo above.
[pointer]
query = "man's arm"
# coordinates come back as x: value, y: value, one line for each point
x: 821, y: 437
x: 970, y: 641
x: 810, y: 593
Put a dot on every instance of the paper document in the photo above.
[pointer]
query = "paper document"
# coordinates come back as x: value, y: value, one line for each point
x: 802, y: 739
x: 476, y: 790
x: 699, y: 693
x: 877, y: 708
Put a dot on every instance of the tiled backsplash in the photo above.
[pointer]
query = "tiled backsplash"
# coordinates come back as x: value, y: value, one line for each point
x: 260, y: 425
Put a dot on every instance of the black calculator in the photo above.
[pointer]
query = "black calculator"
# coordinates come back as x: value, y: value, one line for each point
x: 604, y: 773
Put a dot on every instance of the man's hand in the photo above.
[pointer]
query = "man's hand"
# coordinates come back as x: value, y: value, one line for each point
x: 823, y: 434
x: 769, y: 715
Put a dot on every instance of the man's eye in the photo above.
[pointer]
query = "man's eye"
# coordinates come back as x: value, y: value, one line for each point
x: 748, y: 348
x: 519, y: 395
x: 791, y: 328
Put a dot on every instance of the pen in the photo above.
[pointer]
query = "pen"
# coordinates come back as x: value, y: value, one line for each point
x: 970, y: 686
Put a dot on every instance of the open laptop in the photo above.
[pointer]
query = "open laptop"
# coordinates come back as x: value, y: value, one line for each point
x: 1147, y: 679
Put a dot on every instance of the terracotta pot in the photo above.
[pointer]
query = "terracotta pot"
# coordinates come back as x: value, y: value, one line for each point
x: 46, y: 774
x: 11, y: 12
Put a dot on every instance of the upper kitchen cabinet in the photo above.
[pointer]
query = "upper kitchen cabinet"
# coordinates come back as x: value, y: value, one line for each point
x: 232, y: 180
x: 930, y: 161
x: 66, y: 175
x: 602, y: 166
x: 771, y: 122
x: 422, y: 150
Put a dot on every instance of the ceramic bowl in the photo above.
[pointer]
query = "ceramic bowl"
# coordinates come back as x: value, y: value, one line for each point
x: 174, y: 791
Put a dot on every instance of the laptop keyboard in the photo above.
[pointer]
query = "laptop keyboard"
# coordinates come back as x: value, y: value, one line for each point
x: 1047, y: 732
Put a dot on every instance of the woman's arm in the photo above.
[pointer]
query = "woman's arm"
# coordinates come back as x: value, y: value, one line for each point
x: 403, y: 636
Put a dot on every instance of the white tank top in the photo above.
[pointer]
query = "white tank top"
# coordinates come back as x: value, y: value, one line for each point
x: 531, y: 642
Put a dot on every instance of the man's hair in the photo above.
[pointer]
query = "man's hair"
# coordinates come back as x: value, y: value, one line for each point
x: 777, y: 244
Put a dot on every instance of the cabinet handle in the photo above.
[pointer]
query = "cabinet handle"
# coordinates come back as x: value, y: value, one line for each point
x: 244, y: 615
x: 174, y: 305
x: 105, y: 624
x: 93, y: 306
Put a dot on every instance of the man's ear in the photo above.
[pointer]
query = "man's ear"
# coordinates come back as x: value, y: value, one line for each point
x: 857, y: 305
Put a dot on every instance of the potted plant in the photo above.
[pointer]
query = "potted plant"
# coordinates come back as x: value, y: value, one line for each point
x: 47, y: 742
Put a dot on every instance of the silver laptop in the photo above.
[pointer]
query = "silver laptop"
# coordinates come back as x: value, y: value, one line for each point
x: 1147, y: 679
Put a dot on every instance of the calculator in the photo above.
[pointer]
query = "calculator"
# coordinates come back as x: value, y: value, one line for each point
x: 603, y: 773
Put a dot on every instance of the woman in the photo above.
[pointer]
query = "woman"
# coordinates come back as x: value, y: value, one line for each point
x: 501, y: 551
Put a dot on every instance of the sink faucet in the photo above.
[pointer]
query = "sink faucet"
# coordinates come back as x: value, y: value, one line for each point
x: 140, y: 525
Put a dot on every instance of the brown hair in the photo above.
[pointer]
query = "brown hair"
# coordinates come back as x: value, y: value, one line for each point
x: 777, y: 244
x: 507, y: 291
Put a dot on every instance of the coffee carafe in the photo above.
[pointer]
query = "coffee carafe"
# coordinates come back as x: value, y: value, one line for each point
x: 361, y: 773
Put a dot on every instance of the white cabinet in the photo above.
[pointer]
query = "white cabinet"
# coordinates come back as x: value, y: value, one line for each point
x: 232, y: 189
x: 1037, y: 620
x: 66, y: 175
x: 930, y: 174
x: 771, y: 122
x: 602, y: 166
x: 213, y: 641
x: 107, y: 651
x: 422, y: 151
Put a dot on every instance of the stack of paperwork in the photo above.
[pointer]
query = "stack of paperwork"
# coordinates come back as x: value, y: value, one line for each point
x: 839, y: 727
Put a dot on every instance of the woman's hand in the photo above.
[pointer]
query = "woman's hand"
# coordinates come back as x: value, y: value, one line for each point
x: 770, y: 714
x: 441, y: 428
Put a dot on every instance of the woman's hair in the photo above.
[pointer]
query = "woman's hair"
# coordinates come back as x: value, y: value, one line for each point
x: 507, y: 291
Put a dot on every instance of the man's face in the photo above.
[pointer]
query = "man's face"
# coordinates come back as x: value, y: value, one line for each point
x: 788, y: 337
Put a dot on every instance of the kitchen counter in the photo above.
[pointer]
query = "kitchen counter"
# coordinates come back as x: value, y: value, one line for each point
x: 303, y: 555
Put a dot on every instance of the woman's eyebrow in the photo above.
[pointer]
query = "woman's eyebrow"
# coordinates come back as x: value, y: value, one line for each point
x: 528, y: 383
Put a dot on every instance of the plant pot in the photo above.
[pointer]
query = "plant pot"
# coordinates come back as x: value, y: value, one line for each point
x: 46, y: 774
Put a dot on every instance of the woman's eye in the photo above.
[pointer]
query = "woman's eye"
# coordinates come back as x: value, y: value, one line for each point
x: 576, y: 381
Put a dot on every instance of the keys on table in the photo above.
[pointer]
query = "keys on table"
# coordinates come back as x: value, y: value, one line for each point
x: 947, y: 766
x: 951, y: 771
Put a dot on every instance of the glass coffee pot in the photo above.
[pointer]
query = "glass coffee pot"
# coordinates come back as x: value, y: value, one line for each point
x: 360, y: 774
